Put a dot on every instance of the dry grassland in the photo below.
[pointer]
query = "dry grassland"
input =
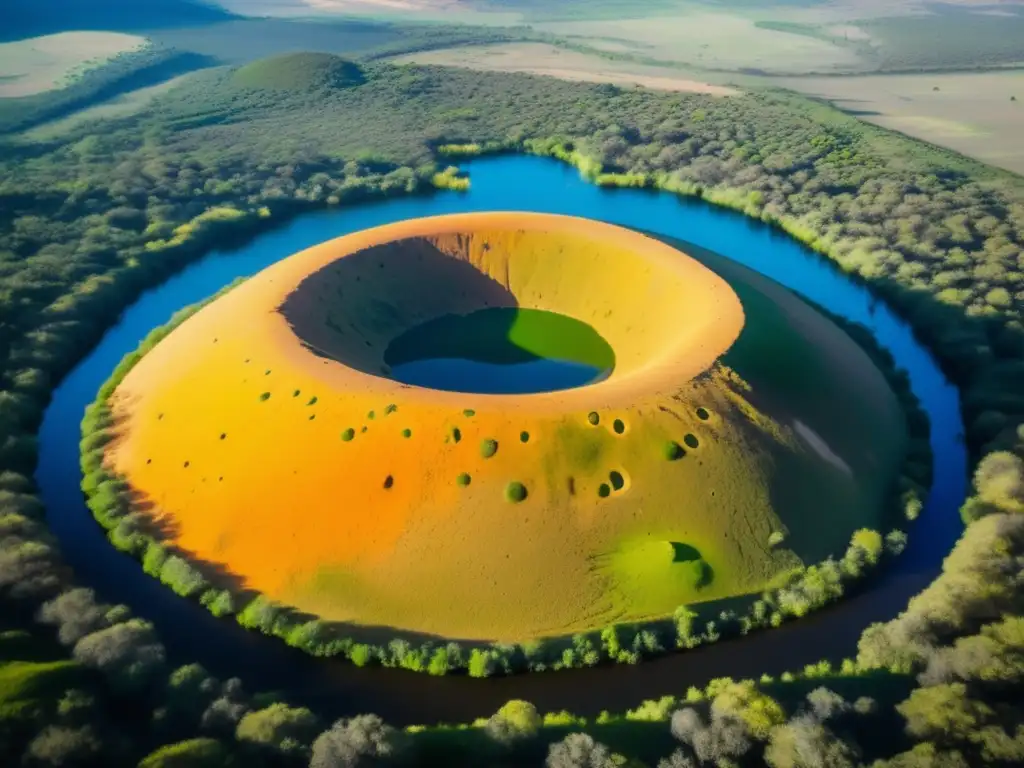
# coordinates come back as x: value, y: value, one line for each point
x: 970, y: 113
x: 44, y: 63
x: 543, y: 59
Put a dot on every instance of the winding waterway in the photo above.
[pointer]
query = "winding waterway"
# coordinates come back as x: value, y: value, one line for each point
x: 335, y: 688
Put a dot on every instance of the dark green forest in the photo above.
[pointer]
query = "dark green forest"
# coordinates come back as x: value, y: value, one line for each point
x: 90, y: 220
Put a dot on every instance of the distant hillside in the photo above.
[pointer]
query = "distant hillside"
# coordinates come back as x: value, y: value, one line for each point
x: 299, y: 72
x: 29, y: 18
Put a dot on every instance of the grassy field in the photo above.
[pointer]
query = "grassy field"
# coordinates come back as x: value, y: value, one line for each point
x: 544, y: 59
x: 41, y: 64
x: 394, y: 505
x: 710, y: 40
x: 971, y: 113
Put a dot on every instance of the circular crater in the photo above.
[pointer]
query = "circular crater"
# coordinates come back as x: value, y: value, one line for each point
x: 502, y: 350
x: 449, y: 505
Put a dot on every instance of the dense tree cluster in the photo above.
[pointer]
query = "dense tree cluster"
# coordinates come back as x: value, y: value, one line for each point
x: 89, y: 220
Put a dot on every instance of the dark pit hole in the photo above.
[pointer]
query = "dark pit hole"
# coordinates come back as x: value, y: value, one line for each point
x: 388, y: 482
x: 617, y: 480
x: 691, y: 441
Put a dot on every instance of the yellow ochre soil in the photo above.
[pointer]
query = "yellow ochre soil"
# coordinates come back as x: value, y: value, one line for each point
x: 265, y: 441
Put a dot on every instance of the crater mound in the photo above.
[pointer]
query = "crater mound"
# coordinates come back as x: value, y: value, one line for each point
x: 274, y: 440
x: 299, y: 72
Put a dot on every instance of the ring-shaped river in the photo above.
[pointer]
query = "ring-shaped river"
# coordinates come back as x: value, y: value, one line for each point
x: 335, y: 688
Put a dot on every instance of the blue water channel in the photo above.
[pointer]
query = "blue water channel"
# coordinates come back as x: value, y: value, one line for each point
x: 335, y: 688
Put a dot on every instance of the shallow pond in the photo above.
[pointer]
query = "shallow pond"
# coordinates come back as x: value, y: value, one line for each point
x: 500, y: 350
x: 335, y: 688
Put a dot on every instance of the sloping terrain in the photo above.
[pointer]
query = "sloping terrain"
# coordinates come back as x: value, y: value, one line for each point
x: 265, y: 440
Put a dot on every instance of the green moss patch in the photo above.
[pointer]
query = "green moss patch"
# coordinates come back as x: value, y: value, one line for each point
x: 673, y: 451
x: 650, y: 573
x: 515, y: 492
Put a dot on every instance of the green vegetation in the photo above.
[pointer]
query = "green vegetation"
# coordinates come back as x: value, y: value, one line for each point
x: 299, y: 72
x: 515, y: 492
x: 92, y: 219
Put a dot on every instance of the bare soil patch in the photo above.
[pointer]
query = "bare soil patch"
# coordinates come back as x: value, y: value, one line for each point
x: 44, y: 63
x: 543, y: 59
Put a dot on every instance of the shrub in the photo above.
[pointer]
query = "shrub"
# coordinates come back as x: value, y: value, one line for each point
x: 129, y: 653
x: 278, y: 728
x: 579, y: 750
x: 360, y: 741
x: 515, y: 492
x: 59, y: 745
x: 194, y: 753
x: 516, y: 720
x: 182, y: 577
